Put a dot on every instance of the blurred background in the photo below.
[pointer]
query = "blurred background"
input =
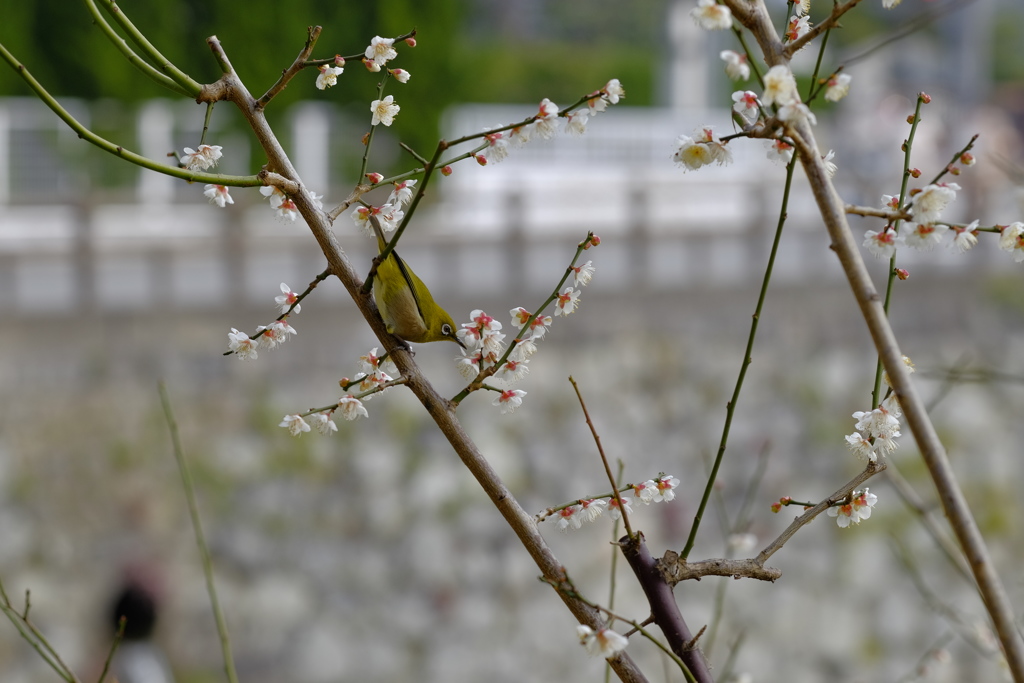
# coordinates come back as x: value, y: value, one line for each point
x: 371, y: 555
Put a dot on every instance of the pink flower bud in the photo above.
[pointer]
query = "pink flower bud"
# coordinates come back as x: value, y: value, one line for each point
x: 915, y: 173
x: 339, y: 60
x: 967, y: 159
x: 410, y: 41
x: 910, y: 119
x: 902, y: 273
x: 925, y: 97
x: 374, y: 178
x: 446, y: 171
x: 955, y: 170
x: 480, y: 159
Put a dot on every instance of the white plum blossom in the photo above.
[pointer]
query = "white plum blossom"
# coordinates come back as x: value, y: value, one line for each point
x: 645, y: 492
x: 881, y: 244
x: 546, y: 124
x: 274, y: 194
x: 567, y: 301
x: 287, y: 209
x: 793, y: 112
x: 351, y: 407
x: 965, y: 237
x: 862, y: 502
x: 323, y: 423
x: 591, y: 509
x: 603, y: 642
x: 711, y: 16
x: 582, y: 274
x: 614, y: 91
x: 402, y: 194
x: 513, y: 370
x: 509, y: 400
x: 613, y: 507
x: 838, y: 87
x: 891, y: 201
x: 1011, y: 239
x: 380, y: 50
x: 736, y: 66
x: 691, y: 154
x: 882, y: 421
x: 857, y: 509
x: 218, y: 194
x: 294, y: 424
x: 328, y: 76
x: 384, y: 111
x: 577, y: 121
x: 497, y: 147
x: 665, y: 486
x: 830, y: 166
x: 923, y: 236
x: 701, y: 150
x: 927, y: 204
x: 286, y: 299
x: 201, y: 159
x: 746, y: 105
x: 242, y: 345
x: 520, y: 135
x: 798, y: 27
x: 801, y: 6
x: 861, y: 446
x: 275, y: 334
x: 779, y: 151
x: 568, y: 517
x: 779, y: 86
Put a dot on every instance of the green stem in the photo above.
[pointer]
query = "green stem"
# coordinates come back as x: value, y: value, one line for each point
x: 197, y: 527
x: 747, y: 359
x: 908, y: 146
x: 129, y: 54
x: 162, y: 63
x: 118, y: 150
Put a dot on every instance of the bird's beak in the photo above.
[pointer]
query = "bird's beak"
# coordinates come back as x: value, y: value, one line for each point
x: 459, y: 342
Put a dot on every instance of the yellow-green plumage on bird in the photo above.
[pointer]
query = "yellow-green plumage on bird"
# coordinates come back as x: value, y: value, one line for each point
x: 405, y: 303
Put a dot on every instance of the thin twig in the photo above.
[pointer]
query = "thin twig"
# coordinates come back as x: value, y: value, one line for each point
x: 604, y: 458
x: 197, y: 527
x: 747, y: 360
x: 291, y: 71
x: 113, y: 647
x: 830, y: 21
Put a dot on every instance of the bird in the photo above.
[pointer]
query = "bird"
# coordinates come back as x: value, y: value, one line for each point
x: 405, y: 304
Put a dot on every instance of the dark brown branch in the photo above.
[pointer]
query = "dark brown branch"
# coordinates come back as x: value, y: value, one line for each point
x: 664, y: 609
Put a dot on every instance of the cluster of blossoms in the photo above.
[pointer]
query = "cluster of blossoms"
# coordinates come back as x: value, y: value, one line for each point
x: 372, y: 379
x: 657, y: 490
x: 603, y: 642
x: 273, y: 335
x: 390, y: 214
x: 877, y: 430
x: 858, y: 508
x: 924, y: 232
x: 484, y: 345
x: 283, y: 205
x: 545, y: 123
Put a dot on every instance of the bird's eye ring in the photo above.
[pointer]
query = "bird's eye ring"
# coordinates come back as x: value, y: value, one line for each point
x: 446, y: 329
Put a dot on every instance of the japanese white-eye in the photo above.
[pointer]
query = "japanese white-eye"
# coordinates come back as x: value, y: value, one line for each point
x: 405, y: 303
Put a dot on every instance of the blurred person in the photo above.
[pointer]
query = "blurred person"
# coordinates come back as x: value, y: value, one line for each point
x: 138, y: 659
